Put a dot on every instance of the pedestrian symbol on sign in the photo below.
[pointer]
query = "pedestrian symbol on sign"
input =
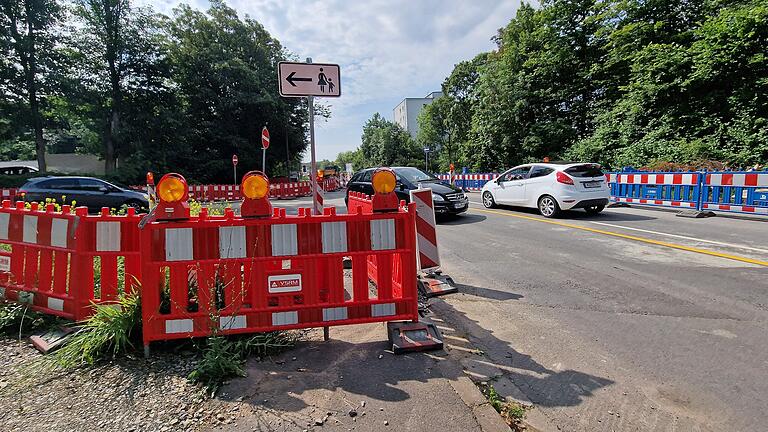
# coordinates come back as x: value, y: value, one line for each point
x: 322, y: 80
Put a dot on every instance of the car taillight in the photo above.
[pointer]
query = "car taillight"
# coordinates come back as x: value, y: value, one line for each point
x: 564, y: 178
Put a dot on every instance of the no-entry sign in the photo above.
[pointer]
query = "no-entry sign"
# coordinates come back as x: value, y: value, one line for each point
x: 265, y: 138
x: 309, y: 79
x: 234, y: 159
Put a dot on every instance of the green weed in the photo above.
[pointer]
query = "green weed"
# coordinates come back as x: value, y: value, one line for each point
x: 512, y: 412
x: 17, y: 318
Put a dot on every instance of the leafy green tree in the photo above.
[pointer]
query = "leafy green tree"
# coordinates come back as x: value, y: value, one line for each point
x: 385, y: 143
x: 28, y: 43
x: 354, y: 157
x: 224, y: 69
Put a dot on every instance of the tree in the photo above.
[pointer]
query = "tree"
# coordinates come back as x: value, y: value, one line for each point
x: 354, y: 157
x: 28, y: 37
x: 224, y: 69
x: 385, y: 143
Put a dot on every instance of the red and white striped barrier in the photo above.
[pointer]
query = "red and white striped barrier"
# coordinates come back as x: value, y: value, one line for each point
x: 426, y: 231
x: 738, y: 179
x: 319, y: 198
x: 685, y: 179
x: 282, y: 272
x: 51, y: 263
x: 683, y: 204
x: 8, y: 194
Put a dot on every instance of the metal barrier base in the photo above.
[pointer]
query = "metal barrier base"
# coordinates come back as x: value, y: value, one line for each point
x: 617, y: 204
x: 413, y: 336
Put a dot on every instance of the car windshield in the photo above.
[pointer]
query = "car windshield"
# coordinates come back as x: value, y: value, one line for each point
x: 414, y: 175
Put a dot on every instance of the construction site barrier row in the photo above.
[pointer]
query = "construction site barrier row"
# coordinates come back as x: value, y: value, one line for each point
x: 8, y: 194
x: 722, y: 191
x: 733, y: 192
x: 231, y: 192
x: 60, y: 262
x: 282, y: 272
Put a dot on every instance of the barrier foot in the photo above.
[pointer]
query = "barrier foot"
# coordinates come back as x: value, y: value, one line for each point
x: 617, y: 205
x: 146, y: 351
x: 695, y: 214
x: 435, y: 284
x: 326, y: 334
x: 413, y: 336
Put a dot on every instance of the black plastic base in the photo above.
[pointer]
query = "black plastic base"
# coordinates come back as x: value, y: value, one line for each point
x: 435, y: 284
x: 409, y: 337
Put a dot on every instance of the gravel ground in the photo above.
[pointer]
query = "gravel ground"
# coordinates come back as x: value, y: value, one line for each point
x: 131, y: 394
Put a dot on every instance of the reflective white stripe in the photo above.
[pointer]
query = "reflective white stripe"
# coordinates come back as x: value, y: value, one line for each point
x: 386, y: 309
x: 30, y: 229
x: 179, y: 326
x: 688, y: 179
x: 107, y: 236
x: 334, y: 237
x: 739, y: 179
x: 334, y: 314
x: 232, y: 242
x: 285, y: 318
x: 178, y: 244
x: 232, y: 322
x: 715, y: 179
x: 382, y: 234
x: 284, y: 240
x: 56, y: 304
x: 4, y: 221
x: 59, y: 232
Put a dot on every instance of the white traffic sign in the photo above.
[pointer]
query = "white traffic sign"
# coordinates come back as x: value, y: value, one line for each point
x: 309, y: 79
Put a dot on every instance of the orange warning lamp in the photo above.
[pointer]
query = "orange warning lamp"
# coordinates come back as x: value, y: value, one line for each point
x: 172, y: 192
x: 255, y: 190
x: 150, y: 178
x: 384, y: 182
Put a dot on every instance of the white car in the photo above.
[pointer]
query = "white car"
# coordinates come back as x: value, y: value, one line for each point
x: 550, y: 188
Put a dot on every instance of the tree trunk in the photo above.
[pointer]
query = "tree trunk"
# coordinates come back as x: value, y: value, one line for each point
x: 34, y: 107
x: 109, y: 141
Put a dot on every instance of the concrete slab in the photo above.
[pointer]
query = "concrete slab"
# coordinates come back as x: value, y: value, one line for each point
x: 353, y: 382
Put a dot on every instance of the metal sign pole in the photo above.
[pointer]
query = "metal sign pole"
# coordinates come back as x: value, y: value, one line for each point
x: 313, y: 164
x: 235, y: 167
x: 264, y: 160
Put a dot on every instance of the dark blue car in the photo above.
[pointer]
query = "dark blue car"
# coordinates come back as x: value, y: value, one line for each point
x: 86, y: 191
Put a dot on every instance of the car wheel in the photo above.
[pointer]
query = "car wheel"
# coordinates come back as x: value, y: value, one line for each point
x: 593, y: 210
x: 548, y: 206
x: 488, y: 201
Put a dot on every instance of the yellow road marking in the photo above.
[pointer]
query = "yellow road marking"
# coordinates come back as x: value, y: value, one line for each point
x: 631, y: 237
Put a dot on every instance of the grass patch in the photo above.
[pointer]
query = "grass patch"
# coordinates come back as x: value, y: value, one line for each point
x: 224, y: 357
x: 106, y: 334
x: 513, y: 413
x: 18, y: 319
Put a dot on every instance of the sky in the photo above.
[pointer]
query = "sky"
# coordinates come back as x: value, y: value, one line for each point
x: 387, y: 49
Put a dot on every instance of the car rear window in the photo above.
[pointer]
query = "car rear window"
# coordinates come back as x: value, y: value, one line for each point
x: 587, y: 170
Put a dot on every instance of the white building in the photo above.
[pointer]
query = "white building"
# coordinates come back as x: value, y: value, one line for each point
x: 407, y: 111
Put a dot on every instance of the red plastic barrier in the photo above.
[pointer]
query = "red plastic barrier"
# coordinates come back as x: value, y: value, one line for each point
x: 8, y: 194
x: 51, y: 263
x: 282, y: 272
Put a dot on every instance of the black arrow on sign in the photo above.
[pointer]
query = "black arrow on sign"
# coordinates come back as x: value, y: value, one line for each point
x: 290, y: 78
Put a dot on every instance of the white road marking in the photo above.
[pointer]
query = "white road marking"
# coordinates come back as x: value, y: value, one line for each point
x: 732, y: 245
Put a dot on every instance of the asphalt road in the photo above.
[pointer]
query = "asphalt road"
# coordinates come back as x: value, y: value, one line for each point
x: 630, y: 320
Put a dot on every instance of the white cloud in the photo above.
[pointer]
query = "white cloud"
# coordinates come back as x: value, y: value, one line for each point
x: 387, y: 49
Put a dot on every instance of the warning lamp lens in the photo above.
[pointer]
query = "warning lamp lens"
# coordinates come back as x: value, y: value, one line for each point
x: 171, y: 189
x: 383, y: 181
x: 255, y: 187
x: 150, y: 178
